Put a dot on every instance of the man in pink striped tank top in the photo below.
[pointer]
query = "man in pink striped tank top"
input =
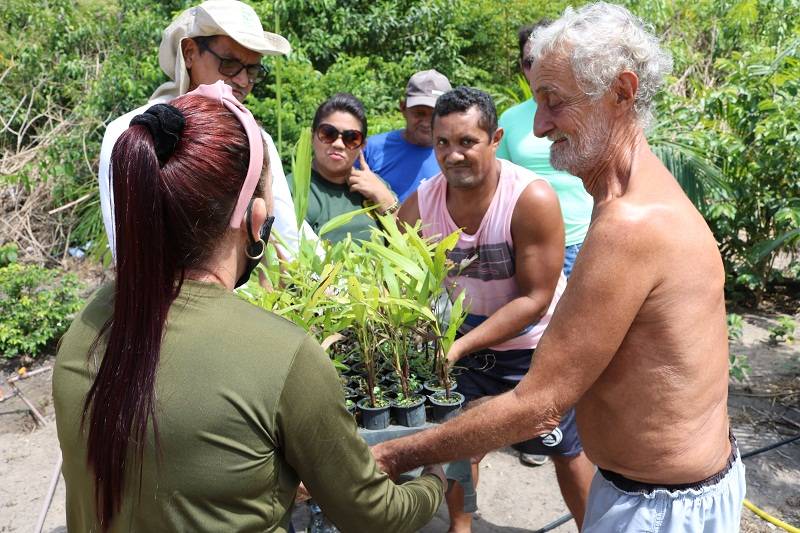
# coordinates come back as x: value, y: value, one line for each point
x: 512, y: 228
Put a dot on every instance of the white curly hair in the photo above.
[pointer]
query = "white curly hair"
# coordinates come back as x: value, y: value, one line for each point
x: 601, y: 40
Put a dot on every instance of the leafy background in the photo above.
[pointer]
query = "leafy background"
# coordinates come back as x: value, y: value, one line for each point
x: 728, y: 121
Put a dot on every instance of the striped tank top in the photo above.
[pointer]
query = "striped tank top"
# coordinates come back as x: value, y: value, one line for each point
x: 489, y: 281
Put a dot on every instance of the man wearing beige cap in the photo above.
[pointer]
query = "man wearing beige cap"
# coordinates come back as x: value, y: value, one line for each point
x: 403, y: 158
x: 216, y: 40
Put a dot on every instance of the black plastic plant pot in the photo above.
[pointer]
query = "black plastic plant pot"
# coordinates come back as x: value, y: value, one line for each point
x: 373, y: 417
x: 350, y: 394
x: 432, y: 386
x: 411, y: 415
x: 446, y: 408
x: 389, y: 379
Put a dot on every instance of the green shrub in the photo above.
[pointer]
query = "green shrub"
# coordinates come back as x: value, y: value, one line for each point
x: 728, y: 123
x: 36, y: 305
x: 783, y: 331
x: 738, y: 367
x: 735, y: 327
x: 8, y: 254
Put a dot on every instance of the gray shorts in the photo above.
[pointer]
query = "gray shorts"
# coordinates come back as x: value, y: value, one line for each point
x: 712, y: 508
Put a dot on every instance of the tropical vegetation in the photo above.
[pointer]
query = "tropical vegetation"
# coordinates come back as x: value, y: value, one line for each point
x: 728, y: 123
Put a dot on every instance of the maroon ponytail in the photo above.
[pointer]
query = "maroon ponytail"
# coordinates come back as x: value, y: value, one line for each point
x: 167, y: 219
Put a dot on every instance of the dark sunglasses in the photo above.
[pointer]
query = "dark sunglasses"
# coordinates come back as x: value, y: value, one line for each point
x: 231, y: 67
x: 352, y: 139
x: 527, y: 63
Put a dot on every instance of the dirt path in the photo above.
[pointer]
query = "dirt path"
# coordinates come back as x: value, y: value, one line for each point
x: 511, y: 497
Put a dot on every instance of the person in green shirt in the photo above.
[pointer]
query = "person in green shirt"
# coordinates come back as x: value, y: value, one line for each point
x: 339, y: 131
x: 519, y: 145
x: 181, y: 407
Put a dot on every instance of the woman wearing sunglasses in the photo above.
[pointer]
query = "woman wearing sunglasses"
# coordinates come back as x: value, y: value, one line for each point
x: 339, y: 131
x: 181, y: 407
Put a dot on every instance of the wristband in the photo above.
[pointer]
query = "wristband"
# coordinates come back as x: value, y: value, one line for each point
x: 392, y: 209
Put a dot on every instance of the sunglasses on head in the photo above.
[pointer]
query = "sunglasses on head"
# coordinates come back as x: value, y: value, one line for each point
x: 352, y: 139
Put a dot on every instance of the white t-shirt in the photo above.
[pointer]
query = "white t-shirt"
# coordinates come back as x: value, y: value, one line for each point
x: 283, y: 207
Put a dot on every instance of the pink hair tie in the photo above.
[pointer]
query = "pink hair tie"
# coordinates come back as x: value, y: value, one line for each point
x: 223, y: 93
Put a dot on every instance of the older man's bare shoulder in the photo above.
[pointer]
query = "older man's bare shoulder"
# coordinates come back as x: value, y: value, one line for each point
x: 629, y: 224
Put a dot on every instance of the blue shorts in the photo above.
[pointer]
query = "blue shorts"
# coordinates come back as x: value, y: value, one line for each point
x: 491, y: 372
x: 570, y: 254
x: 711, y: 506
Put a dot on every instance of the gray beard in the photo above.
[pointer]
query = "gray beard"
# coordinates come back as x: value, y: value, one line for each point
x: 578, y: 158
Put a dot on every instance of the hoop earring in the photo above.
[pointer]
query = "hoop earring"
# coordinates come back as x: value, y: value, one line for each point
x: 260, y: 254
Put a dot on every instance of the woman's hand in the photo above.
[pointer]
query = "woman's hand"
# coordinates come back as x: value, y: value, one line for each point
x: 368, y: 184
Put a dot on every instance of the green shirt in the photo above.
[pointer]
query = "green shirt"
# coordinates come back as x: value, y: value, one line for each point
x: 519, y: 145
x: 327, y: 200
x: 247, y: 406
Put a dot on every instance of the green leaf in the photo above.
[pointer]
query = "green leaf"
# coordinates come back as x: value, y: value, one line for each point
x: 407, y: 265
x: 301, y: 175
x: 340, y: 220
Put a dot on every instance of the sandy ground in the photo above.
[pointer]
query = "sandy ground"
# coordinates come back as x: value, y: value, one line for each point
x: 512, y: 497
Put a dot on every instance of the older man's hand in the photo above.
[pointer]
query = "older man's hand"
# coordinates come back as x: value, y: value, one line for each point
x: 383, y: 455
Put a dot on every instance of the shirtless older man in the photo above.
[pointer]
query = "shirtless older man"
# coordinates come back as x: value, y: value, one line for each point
x: 638, y: 341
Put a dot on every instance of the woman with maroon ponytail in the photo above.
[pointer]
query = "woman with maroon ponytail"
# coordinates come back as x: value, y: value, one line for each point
x: 179, y: 406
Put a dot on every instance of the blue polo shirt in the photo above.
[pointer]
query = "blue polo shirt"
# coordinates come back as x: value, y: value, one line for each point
x: 401, y: 164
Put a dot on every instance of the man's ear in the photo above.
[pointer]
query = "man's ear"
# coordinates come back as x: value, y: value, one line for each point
x: 189, y: 50
x: 402, y: 105
x: 498, y: 134
x: 624, y: 91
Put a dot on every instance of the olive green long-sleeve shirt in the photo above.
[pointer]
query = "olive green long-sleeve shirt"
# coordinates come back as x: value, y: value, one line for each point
x: 247, y: 406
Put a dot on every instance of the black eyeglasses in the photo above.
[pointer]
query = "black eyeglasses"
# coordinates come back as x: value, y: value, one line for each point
x: 352, y: 139
x: 231, y: 67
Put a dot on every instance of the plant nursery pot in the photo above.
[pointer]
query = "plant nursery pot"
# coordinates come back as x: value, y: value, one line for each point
x: 389, y: 380
x: 350, y: 394
x: 412, y: 415
x: 432, y: 386
x: 373, y: 417
x: 444, y: 410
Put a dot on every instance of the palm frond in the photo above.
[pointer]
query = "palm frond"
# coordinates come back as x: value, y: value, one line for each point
x: 696, y: 173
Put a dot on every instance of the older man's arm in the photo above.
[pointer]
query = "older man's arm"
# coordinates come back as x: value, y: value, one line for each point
x: 611, y: 279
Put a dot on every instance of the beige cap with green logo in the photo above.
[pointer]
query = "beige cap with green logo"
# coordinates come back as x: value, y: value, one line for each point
x: 235, y: 19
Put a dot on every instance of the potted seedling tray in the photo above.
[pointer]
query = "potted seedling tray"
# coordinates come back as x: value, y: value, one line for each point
x: 460, y: 471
